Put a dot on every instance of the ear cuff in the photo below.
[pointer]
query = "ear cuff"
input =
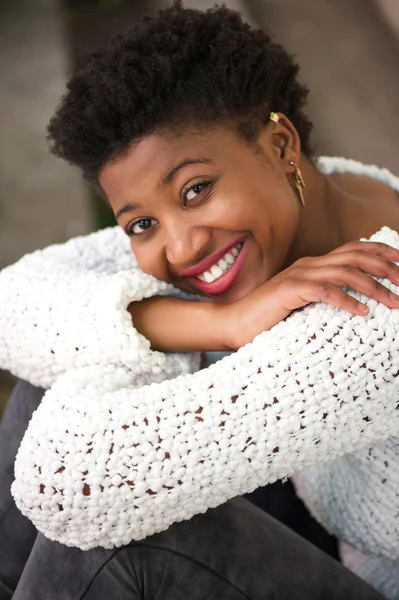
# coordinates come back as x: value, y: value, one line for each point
x: 299, y: 182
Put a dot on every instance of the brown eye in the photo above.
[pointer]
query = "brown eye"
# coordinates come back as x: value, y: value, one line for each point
x: 194, y: 191
x: 140, y: 226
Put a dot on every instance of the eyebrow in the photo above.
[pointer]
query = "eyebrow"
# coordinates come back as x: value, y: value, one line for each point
x: 125, y: 209
x: 168, y: 179
x: 186, y: 162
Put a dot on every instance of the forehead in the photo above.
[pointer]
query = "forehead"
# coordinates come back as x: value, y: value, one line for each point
x: 151, y: 158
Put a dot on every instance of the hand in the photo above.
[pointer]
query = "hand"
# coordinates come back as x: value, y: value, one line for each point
x: 315, y: 279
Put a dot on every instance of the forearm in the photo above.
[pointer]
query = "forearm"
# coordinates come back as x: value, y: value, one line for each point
x: 177, y: 325
x: 65, y: 307
x: 141, y: 459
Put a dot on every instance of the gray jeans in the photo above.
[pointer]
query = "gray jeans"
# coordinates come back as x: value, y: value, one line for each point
x: 233, y: 552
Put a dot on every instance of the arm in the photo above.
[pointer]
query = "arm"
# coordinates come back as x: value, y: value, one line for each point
x: 178, y: 325
x: 103, y: 462
x: 365, y: 512
x: 65, y: 307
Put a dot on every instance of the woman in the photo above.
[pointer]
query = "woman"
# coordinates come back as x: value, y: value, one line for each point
x: 192, y: 126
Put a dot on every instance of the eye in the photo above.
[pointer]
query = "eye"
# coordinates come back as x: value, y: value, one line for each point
x: 140, y: 226
x: 194, y: 191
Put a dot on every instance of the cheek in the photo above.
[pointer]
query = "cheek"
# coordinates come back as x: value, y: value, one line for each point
x: 284, y: 225
x: 146, y: 260
x: 271, y: 208
x: 275, y: 223
x: 286, y: 210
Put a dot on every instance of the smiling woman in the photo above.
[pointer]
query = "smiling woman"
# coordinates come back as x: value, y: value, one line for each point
x: 192, y: 125
x: 186, y: 217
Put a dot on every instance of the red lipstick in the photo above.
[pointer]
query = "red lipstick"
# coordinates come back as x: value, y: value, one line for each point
x: 225, y: 281
x: 207, y: 262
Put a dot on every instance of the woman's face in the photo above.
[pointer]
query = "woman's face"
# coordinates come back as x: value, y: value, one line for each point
x: 204, y: 210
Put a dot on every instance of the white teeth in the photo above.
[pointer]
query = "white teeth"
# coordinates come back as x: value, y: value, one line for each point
x: 216, y: 271
x: 221, y: 266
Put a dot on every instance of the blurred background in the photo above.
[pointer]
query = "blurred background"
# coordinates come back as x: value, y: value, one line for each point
x: 348, y: 51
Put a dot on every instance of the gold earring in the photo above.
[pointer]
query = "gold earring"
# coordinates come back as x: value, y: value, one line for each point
x: 299, y: 182
x: 274, y: 117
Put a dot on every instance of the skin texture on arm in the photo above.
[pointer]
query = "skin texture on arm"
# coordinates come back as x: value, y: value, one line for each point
x: 177, y: 325
x: 114, y: 463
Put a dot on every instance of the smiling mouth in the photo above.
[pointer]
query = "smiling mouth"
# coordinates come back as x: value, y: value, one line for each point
x: 222, y: 266
x: 221, y: 276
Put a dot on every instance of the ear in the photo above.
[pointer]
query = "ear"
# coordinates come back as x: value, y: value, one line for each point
x: 285, y: 142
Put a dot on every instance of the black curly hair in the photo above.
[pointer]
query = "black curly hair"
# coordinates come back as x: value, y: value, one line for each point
x: 181, y: 67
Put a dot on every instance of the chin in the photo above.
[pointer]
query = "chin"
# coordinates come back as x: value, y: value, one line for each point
x: 237, y: 292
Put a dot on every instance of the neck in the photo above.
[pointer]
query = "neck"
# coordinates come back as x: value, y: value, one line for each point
x: 323, y: 223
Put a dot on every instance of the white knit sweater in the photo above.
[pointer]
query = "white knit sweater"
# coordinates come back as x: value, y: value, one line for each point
x: 128, y: 441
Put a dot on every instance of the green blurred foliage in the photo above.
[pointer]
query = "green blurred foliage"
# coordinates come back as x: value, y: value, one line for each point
x: 102, y: 215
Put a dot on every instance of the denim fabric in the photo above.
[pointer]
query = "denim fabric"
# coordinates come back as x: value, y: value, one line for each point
x: 17, y: 534
x: 233, y: 552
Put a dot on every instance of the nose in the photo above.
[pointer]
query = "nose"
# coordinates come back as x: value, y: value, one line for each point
x: 186, y: 243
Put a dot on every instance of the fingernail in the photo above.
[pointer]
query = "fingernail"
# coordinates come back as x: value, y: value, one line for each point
x: 364, y: 309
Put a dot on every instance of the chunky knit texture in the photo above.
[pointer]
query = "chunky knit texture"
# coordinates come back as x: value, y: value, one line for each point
x: 108, y: 458
x: 64, y: 308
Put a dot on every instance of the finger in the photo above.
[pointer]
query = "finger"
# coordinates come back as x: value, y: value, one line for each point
x: 351, y: 277
x: 375, y: 265
x: 333, y: 295
x: 377, y: 248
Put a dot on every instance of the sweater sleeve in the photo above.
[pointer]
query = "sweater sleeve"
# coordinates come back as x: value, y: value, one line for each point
x: 103, y: 462
x: 364, y: 513
x: 64, y: 308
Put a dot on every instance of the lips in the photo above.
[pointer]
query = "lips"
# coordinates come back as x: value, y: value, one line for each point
x: 222, y: 266
x: 225, y: 281
x: 209, y: 261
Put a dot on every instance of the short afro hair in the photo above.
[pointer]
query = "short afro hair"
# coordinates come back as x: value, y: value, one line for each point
x: 181, y: 67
